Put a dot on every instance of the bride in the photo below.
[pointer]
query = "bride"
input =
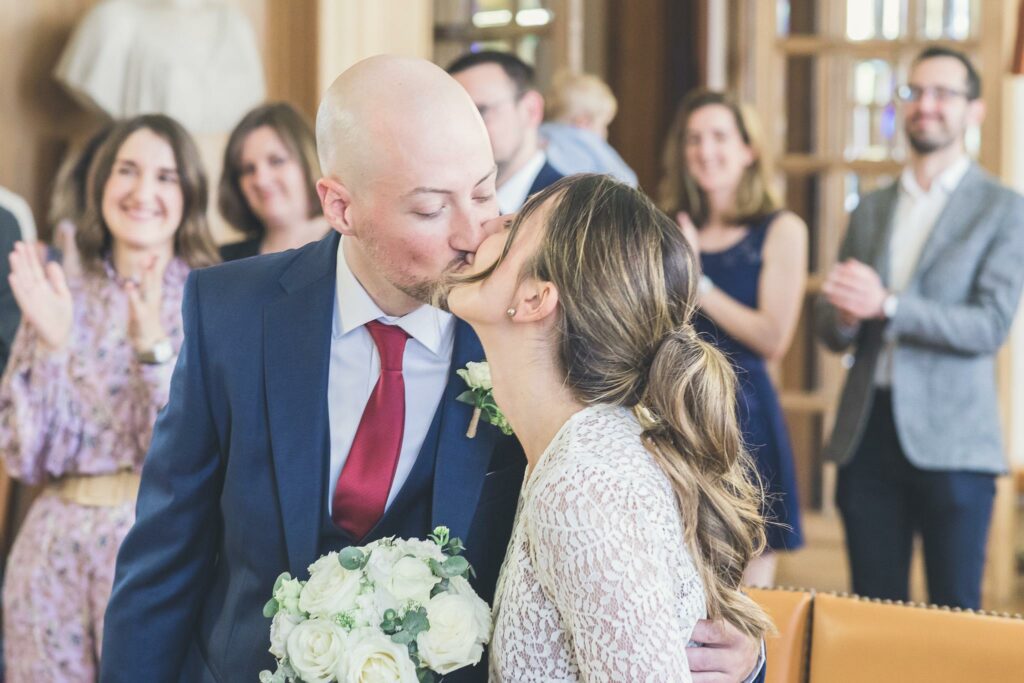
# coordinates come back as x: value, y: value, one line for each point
x: 637, y: 516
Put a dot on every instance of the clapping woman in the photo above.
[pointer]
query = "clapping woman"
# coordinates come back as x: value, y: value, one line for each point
x: 754, y: 260
x: 89, y: 369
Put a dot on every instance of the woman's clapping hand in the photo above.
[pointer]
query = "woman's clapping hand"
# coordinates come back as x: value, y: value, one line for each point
x: 42, y: 295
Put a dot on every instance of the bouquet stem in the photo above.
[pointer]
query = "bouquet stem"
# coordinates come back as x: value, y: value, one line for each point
x: 471, y: 431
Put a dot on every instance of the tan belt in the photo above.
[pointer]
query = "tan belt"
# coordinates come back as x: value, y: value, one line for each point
x: 98, y: 490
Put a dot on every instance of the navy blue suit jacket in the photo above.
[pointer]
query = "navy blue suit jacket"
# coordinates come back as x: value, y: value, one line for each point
x: 233, y: 488
x: 547, y: 175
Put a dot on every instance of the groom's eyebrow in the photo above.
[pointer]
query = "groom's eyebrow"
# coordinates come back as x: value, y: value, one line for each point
x: 438, y: 190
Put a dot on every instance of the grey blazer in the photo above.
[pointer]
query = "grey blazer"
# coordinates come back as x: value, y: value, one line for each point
x: 952, y: 318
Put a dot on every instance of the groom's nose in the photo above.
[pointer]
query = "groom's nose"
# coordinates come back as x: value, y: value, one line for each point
x: 470, y: 228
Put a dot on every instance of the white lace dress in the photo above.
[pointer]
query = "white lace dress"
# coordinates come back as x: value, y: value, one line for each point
x: 598, y: 584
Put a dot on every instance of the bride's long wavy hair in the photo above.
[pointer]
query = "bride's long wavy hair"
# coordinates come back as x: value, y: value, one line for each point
x: 627, y: 282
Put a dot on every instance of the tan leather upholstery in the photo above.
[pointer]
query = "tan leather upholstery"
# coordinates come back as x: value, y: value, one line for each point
x: 787, y: 650
x: 858, y: 640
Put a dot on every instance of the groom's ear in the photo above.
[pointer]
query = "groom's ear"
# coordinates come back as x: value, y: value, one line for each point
x: 336, y: 201
x: 537, y: 300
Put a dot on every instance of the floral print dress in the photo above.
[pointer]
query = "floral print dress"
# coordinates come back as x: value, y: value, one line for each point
x: 86, y: 410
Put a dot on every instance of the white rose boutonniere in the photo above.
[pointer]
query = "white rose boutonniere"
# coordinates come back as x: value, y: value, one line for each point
x: 481, y: 396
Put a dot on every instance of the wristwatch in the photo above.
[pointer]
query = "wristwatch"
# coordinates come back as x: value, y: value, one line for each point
x: 704, y: 285
x: 158, y: 354
x: 889, y: 304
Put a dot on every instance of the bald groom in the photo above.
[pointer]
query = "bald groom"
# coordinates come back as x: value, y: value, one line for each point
x: 246, y: 474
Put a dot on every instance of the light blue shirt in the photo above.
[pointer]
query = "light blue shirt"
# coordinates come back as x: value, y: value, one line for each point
x: 355, y: 367
x: 571, y: 149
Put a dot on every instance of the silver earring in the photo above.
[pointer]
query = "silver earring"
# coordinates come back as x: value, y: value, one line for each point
x: 511, y: 312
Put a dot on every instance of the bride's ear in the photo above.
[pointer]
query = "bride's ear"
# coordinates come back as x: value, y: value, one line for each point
x: 535, y: 301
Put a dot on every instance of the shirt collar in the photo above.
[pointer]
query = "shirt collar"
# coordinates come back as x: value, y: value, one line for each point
x: 945, y: 181
x: 431, y: 327
x: 513, y: 192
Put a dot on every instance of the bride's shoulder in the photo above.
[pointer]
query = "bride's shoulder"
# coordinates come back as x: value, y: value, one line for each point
x: 601, y: 454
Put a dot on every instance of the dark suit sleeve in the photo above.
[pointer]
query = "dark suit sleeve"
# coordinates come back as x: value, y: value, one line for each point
x: 10, y: 316
x: 980, y: 325
x: 165, y: 565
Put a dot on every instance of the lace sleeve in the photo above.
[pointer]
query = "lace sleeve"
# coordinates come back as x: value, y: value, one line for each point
x: 610, y: 555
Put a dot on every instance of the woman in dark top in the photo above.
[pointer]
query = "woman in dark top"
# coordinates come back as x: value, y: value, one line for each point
x: 754, y: 257
x: 268, y: 185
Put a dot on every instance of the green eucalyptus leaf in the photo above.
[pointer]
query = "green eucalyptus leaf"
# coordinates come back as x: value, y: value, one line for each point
x: 415, y: 622
x: 402, y: 637
x: 352, y: 559
x: 455, y: 566
x: 436, y: 568
x: 270, y: 609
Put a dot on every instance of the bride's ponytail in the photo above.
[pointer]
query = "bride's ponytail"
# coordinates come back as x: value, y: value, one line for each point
x: 691, y: 429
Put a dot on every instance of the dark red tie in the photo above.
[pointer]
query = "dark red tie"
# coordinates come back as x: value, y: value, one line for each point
x: 365, y: 480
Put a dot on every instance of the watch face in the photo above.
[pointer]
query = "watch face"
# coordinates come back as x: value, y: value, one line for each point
x: 162, y: 351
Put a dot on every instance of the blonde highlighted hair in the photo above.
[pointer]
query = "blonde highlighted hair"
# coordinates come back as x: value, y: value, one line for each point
x: 627, y: 285
x: 679, y: 191
x: 575, y: 96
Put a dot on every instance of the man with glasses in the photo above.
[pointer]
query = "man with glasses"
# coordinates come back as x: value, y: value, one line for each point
x: 925, y: 290
x: 503, y: 89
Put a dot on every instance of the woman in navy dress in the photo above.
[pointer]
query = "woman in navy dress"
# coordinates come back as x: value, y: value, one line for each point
x: 754, y: 257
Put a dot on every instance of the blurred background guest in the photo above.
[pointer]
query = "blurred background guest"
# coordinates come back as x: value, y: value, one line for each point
x: 926, y: 286
x: 504, y: 88
x: 577, y: 110
x: 268, y: 185
x: 89, y: 369
x: 754, y: 256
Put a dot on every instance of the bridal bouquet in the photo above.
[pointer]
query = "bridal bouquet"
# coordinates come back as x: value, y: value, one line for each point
x: 393, y: 610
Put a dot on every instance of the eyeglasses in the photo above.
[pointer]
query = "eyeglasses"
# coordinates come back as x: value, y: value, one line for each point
x: 914, y: 93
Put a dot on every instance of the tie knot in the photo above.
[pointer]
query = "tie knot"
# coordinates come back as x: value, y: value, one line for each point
x: 390, y: 341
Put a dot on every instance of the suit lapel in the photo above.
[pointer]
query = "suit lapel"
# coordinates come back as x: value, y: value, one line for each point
x: 964, y: 202
x: 297, y: 349
x: 885, y: 217
x: 461, y: 462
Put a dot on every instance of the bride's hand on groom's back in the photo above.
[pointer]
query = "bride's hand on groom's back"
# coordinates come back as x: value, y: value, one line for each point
x: 727, y: 655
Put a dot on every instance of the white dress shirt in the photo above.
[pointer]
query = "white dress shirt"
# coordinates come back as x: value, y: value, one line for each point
x: 914, y: 218
x: 513, y: 192
x: 355, y: 368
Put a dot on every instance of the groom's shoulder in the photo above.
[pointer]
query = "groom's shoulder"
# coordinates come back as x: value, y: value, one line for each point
x: 248, y: 282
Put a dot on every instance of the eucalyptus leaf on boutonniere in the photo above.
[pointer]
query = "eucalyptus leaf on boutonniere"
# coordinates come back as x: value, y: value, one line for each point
x: 481, y: 396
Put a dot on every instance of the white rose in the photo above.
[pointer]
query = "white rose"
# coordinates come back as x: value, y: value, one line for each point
x: 459, y: 627
x: 411, y: 579
x: 316, y: 650
x: 331, y: 588
x: 280, y: 628
x: 382, y: 562
x: 479, y: 376
x: 371, y: 605
x: 416, y: 547
x: 374, y: 658
x: 287, y: 596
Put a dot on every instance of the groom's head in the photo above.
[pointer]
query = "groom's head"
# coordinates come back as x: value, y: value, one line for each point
x: 408, y: 175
